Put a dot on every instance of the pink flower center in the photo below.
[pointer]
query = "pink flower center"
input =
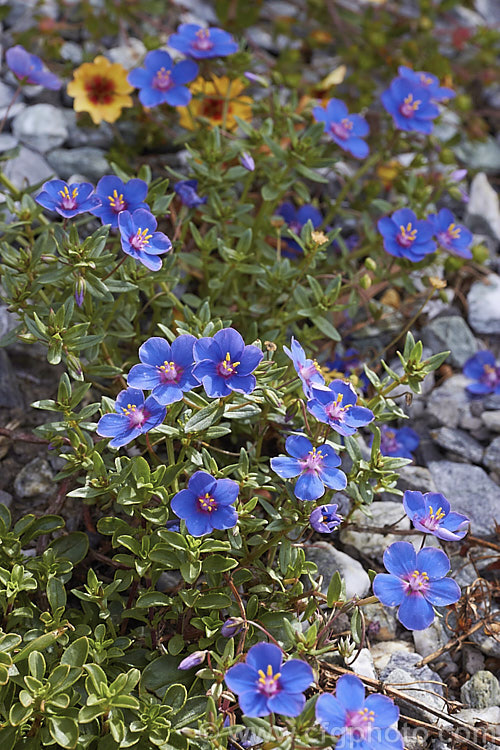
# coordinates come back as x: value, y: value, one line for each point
x: 68, y: 201
x: 407, y: 235
x: 116, y: 202
x: 433, y: 520
x: 335, y: 411
x: 226, y: 368
x: 169, y: 372
x: 140, y: 239
x: 342, y: 129
x: 409, y: 106
x: 446, y: 239
x: 491, y: 375
x: 417, y: 582
x: 203, y: 42
x: 207, y: 503
x: 313, y: 462
x: 136, y: 415
x: 163, y: 80
x: 268, y: 683
x: 307, y: 371
x: 359, y: 723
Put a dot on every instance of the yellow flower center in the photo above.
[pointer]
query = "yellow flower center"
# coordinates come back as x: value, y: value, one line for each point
x: 116, y: 201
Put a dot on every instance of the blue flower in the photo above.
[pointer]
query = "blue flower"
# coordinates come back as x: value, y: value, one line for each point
x: 139, y: 239
x: 430, y: 513
x: 224, y: 364
x: 193, y: 660
x: 117, y: 196
x: 134, y: 416
x: 308, y: 370
x: 186, y: 190
x: 315, y: 467
x: 405, y: 236
x: 325, y: 519
x: 451, y: 236
x: 68, y: 200
x: 296, y: 219
x: 247, y: 161
x: 482, y: 367
x: 416, y: 583
x: 265, y: 685
x: 399, y: 443
x: 29, y: 69
x: 206, y: 504
x: 429, y: 81
x: 360, y: 723
x: 166, y: 368
x: 349, y: 364
x: 346, y: 130
x: 336, y: 405
x: 162, y: 82
x: 410, y: 105
x: 195, y: 41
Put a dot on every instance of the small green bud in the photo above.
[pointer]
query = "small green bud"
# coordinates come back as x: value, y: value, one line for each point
x: 370, y: 264
x: 365, y: 281
x: 447, y: 156
x: 480, y: 253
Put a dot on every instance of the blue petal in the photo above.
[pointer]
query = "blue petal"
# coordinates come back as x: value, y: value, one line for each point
x: 309, y: 213
x: 226, y: 491
x: 143, y: 376
x: 229, y: 340
x: 443, y: 592
x: 182, y: 350
x: 250, y: 359
x: 358, y: 416
x: 225, y: 517
x: 155, y: 351
x: 298, y: 446
x: 350, y: 692
x: 253, y: 704
x: 184, y: 72
x: 287, y: 704
x: 110, y: 425
x: 434, y: 562
x: 389, y: 589
x: 330, y: 714
x: 286, y: 467
x: 156, y: 59
x: 179, y: 96
x: 335, y: 479
x: 336, y: 110
x: 242, y: 383
x: 202, y: 482
x: 436, y: 500
x: 357, y: 147
x: 241, y: 678
x: 129, y: 396
x: 205, y: 348
x: 415, y: 613
x: 199, y: 525
x: 167, y: 394
x: 296, y: 676
x: 400, y: 559
x: 262, y: 655
x: 309, y: 487
x: 150, y: 97
x: 386, y: 713
x: 124, y: 438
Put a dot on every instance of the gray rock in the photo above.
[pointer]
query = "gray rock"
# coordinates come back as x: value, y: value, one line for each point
x: 383, y: 651
x: 416, y: 478
x: 418, y: 689
x: 459, y: 443
x: 10, y: 393
x: 330, y: 560
x: 41, y: 127
x: 35, y: 478
x: 472, y: 659
x: 371, y: 543
x: 7, y: 142
x: 429, y: 640
x: 21, y: 15
x: 490, y: 11
x: 449, y: 402
x: 6, y: 498
x: 490, y: 403
x: 6, y: 97
x: 28, y: 168
x: 129, y: 55
x: 489, y: 642
x: 100, y: 136
x: 483, y: 207
x: 72, y: 52
x: 461, y: 482
x: 491, y: 420
x: 490, y: 715
x: 363, y: 665
x: 381, y: 622
x: 481, y: 691
x: 480, y: 155
x: 91, y: 161
x: 451, y: 332
x: 492, y: 455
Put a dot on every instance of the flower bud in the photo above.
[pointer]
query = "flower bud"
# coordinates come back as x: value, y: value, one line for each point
x: 365, y: 281
x: 232, y: 627
x: 193, y: 660
x: 370, y: 264
x: 247, y: 161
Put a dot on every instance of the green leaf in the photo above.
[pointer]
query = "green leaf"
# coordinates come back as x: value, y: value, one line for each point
x: 206, y: 417
x: 175, y: 697
x: 334, y: 592
x: 326, y: 328
x: 72, y: 547
x: 213, y: 601
x: 64, y: 731
x: 218, y: 564
x: 76, y: 653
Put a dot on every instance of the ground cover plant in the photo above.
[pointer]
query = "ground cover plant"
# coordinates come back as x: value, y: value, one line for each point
x: 231, y: 311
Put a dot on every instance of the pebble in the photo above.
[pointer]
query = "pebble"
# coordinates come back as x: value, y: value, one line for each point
x: 10, y: 393
x: 383, y: 651
x: 481, y: 691
x: 492, y: 455
x: 480, y: 156
x: 72, y: 52
x: 6, y: 498
x: 35, y: 478
x: 28, y: 168
x: 449, y: 402
x: 329, y: 560
x: 460, y: 443
x: 363, y: 665
x: 470, y: 491
x: 129, y: 55
x: 431, y: 639
x: 100, y: 136
x: 91, y: 161
x: 489, y: 644
x: 41, y: 127
x: 419, y: 690
x: 7, y: 142
x: 484, y: 305
x: 483, y: 207
x: 491, y: 420
x: 451, y: 332
x: 472, y: 659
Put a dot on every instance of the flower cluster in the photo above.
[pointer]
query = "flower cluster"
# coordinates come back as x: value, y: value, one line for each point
x: 346, y: 130
x: 411, y: 100
x: 405, y: 236
x: 483, y: 369
x: 400, y: 442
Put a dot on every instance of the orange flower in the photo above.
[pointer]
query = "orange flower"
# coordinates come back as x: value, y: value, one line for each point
x: 218, y: 101
x: 101, y: 89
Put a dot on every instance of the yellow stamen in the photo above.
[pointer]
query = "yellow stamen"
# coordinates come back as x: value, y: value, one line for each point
x: 407, y: 233
x: 412, y: 104
x: 453, y: 231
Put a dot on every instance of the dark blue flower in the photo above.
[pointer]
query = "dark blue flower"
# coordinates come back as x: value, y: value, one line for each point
x: 308, y: 370
x: 346, y: 130
x: 430, y: 513
x: 162, y: 82
x: 315, y: 467
x: 117, y: 196
x: 399, y: 443
x: 139, y: 239
x: 265, y: 685
x: 195, y: 41
x: 325, y: 519
x: 410, y: 105
x: 224, y: 364
x: 68, y: 200
x: 232, y: 626
x: 29, y: 69
x: 416, y: 583
x: 336, y: 405
x: 482, y: 367
x: 429, y: 81
x: 166, y: 369
x: 451, y: 236
x: 134, y: 416
x: 405, y: 236
x: 193, y: 660
x: 349, y: 364
x: 206, y: 504
x: 359, y: 723
x: 186, y: 190
x: 296, y: 219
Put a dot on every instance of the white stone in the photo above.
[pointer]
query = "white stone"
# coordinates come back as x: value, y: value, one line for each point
x: 382, y: 652
x: 363, y: 665
x: 483, y: 202
x: 41, y: 127
x: 329, y: 560
x: 429, y: 640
